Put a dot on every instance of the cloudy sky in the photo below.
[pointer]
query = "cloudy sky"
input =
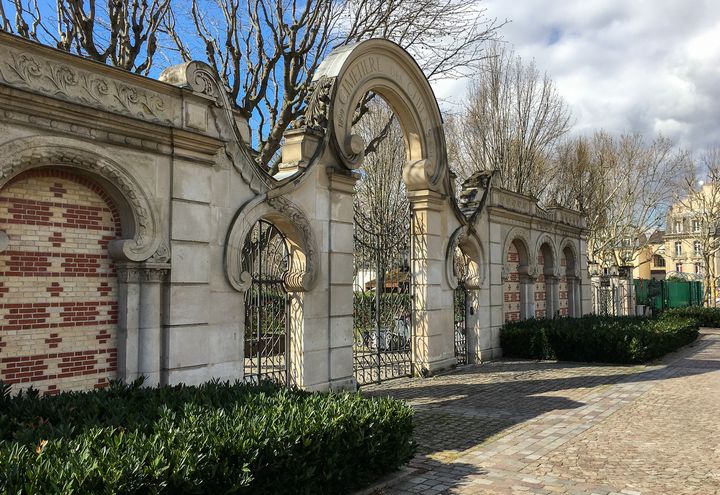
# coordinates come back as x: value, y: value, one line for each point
x: 624, y: 65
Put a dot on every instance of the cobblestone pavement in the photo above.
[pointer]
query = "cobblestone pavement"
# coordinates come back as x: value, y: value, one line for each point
x: 565, y: 428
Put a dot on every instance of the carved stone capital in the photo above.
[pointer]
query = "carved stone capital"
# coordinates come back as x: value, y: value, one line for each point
x: 154, y: 272
x: 128, y: 273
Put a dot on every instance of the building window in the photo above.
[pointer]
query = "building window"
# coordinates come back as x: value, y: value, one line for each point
x: 697, y: 248
x: 678, y: 267
x: 678, y: 248
x: 696, y: 225
x: 698, y: 268
x: 658, y: 261
x: 678, y: 226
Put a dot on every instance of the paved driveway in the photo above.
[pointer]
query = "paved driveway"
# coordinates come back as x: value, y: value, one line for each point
x: 547, y: 428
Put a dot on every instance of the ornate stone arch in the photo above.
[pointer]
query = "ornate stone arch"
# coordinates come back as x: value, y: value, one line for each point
x: 472, y: 248
x: 545, y: 239
x: 140, y: 222
x: 517, y: 234
x: 293, y: 223
x: 385, y: 68
x: 568, y: 243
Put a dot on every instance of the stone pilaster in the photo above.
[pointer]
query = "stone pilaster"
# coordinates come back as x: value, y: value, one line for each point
x: 341, y: 187
x: 433, y: 345
x: 552, y: 296
x: 527, y: 296
x: 150, y: 322
x: 128, y: 320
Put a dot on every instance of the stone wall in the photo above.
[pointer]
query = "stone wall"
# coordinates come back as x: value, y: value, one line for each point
x: 158, y: 181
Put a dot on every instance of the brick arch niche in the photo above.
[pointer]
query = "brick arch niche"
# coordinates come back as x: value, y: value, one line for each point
x: 58, y: 284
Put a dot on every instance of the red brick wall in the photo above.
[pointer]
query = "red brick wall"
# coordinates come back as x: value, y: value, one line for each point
x: 511, y: 290
x: 58, y: 288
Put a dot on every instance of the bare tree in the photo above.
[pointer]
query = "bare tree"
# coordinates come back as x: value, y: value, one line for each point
x: 702, y: 205
x: 623, y: 185
x: 123, y: 33
x: 267, y: 51
x: 512, y: 119
x: 381, y: 195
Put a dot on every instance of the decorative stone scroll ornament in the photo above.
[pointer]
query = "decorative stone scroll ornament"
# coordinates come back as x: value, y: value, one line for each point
x: 138, y: 218
x: 302, y: 272
x: 466, y: 242
x: 22, y: 69
x: 383, y: 67
x: 293, y: 223
x: 316, y: 114
x: 201, y: 78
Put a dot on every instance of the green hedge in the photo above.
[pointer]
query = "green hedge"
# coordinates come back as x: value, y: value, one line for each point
x: 214, y: 438
x: 706, y: 317
x: 605, y: 339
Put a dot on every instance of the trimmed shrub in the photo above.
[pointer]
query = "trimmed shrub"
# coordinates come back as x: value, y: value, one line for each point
x: 602, y: 339
x: 706, y: 317
x: 214, y: 438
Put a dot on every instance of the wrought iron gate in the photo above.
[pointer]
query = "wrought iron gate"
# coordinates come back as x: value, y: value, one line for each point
x: 604, y: 300
x: 383, y: 299
x: 265, y: 257
x: 460, y: 323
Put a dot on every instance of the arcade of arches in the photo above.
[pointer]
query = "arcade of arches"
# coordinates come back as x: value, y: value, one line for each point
x: 139, y: 238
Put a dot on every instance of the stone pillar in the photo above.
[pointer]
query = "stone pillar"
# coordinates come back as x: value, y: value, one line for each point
x: 128, y: 275
x: 340, y: 277
x: 573, y: 296
x: 527, y: 295
x: 433, y: 338
x: 552, y: 296
x: 595, y: 284
x: 578, y: 291
x: 472, y: 335
x: 150, y: 322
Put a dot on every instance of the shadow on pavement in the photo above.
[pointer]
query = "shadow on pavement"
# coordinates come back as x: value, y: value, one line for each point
x: 460, y: 410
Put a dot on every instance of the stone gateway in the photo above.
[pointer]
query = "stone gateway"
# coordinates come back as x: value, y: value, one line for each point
x: 139, y: 238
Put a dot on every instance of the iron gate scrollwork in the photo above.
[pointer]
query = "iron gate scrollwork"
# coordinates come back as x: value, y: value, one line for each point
x: 267, y: 340
x: 383, y: 299
x: 460, y: 307
x: 460, y: 324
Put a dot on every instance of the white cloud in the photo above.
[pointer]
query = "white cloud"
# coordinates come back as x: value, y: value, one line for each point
x: 626, y: 66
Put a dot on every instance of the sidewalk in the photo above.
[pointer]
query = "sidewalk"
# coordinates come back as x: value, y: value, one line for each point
x: 566, y: 428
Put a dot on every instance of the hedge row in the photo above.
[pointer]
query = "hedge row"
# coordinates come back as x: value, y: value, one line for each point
x: 214, y: 438
x: 597, y: 338
x: 706, y: 317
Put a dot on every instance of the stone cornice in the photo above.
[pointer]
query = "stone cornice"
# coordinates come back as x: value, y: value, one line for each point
x: 79, y: 121
x: 502, y: 199
x: 534, y: 221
